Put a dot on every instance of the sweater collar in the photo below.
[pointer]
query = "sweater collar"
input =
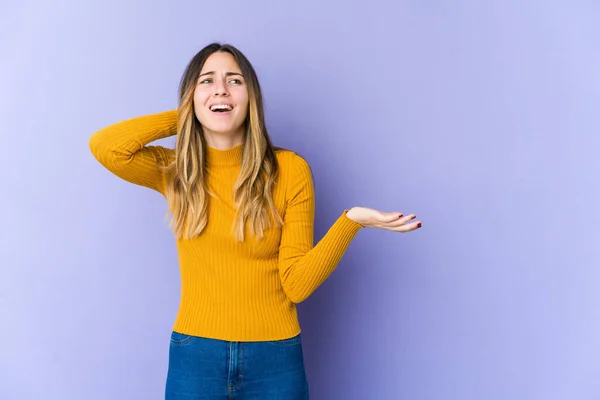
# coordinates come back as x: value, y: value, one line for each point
x: 223, y: 158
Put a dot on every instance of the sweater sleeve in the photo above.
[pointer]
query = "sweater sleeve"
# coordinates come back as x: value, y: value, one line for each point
x: 122, y: 148
x: 302, y: 267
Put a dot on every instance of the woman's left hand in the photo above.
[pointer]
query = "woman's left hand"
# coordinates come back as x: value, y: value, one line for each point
x: 392, y: 221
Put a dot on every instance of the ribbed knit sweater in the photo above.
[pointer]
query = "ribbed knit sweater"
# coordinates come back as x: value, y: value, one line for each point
x: 235, y: 291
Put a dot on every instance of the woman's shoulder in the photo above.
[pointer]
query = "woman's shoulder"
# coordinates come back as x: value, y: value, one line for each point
x: 288, y: 156
x: 292, y: 164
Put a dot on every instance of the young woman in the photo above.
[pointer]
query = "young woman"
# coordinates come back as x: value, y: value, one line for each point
x: 242, y: 212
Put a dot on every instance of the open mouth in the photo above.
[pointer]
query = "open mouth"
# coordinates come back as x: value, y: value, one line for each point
x: 221, y: 108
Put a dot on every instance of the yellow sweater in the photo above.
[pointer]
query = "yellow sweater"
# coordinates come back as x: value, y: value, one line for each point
x: 229, y: 290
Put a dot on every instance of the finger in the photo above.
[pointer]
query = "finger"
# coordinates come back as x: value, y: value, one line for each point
x: 407, y: 227
x: 390, y: 216
x: 402, y: 221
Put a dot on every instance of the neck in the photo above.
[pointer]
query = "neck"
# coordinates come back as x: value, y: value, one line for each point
x: 224, y: 141
x: 224, y: 157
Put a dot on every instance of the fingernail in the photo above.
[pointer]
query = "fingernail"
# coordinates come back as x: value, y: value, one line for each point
x: 419, y: 225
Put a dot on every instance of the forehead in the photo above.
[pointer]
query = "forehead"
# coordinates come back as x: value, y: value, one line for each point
x: 220, y: 61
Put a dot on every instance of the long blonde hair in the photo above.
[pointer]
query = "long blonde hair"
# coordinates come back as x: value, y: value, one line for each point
x: 187, y: 192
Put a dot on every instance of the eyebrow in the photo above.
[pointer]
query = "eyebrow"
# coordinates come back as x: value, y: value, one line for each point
x: 226, y: 74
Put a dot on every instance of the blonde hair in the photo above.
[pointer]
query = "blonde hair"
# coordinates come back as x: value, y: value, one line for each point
x: 187, y: 192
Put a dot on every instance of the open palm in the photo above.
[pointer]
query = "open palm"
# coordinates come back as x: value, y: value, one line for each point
x: 392, y: 221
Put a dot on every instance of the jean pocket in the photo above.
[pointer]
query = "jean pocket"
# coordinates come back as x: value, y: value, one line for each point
x: 287, y: 342
x: 180, y: 338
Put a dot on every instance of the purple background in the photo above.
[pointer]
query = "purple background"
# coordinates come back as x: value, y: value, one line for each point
x: 479, y: 116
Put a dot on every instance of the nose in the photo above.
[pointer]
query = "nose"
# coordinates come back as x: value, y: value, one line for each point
x: 220, y: 88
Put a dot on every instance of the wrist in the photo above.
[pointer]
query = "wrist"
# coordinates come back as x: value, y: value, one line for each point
x: 351, y: 214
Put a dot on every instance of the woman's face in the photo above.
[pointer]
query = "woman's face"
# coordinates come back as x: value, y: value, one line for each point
x: 221, y: 96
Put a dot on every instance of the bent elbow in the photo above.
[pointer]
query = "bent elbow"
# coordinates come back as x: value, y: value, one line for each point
x: 106, y: 153
x: 101, y: 152
x: 296, y: 296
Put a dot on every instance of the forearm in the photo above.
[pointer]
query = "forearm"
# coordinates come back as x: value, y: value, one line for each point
x: 125, y: 138
x: 304, y: 272
x: 122, y: 148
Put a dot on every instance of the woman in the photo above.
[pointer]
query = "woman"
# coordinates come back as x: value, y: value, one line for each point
x: 242, y: 212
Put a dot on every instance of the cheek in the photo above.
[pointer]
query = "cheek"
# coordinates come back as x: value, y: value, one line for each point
x: 199, y: 102
x: 244, y: 103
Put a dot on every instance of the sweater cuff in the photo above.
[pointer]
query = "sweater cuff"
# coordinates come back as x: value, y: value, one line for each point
x: 349, y: 224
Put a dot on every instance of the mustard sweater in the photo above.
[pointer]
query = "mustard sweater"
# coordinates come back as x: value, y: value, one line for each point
x: 230, y: 290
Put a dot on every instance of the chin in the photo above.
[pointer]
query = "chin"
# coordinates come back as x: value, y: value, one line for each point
x: 222, y: 129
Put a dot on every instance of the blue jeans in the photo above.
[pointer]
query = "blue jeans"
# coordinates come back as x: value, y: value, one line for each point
x: 202, y: 368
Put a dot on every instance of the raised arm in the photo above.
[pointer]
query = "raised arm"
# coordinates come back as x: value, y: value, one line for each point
x: 122, y: 148
x: 302, y: 267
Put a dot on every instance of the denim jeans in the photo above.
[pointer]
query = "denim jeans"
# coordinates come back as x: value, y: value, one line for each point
x: 202, y: 368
